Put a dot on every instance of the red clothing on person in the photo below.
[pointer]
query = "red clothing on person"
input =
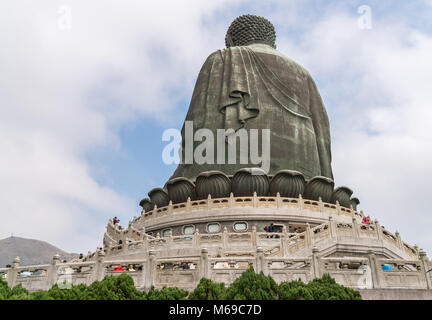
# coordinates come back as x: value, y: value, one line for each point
x: 118, y: 268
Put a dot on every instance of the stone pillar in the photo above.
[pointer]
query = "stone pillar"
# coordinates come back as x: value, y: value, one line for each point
x: 300, y: 202
x: 13, y: 272
x: 398, y: 240
x: 255, y: 200
x: 316, y: 265
x: 150, y: 270
x: 231, y: 200
x: 338, y: 207
x: 209, y: 202
x: 188, y: 204
x: 283, y: 240
x: 356, y: 228
x: 109, y: 250
x: 52, y: 272
x: 378, y: 230
x: 425, y: 266
x: 170, y: 208
x: 204, y: 264
x: 332, y: 226
x: 170, y: 237
x: 260, y: 260
x: 376, y: 273
x: 278, y: 200
x: 142, y: 234
x: 196, y: 238
x: 99, y: 269
x: 309, y: 235
x: 225, y: 238
x: 321, y: 204
x: 254, y: 235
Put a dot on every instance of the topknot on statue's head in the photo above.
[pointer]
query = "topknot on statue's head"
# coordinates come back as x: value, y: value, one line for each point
x: 248, y: 29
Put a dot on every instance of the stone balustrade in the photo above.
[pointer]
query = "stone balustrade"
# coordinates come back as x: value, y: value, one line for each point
x: 185, y: 272
x: 254, y: 201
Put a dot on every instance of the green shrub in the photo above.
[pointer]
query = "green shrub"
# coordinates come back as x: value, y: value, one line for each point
x: 208, y: 290
x: 249, y: 286
x: 252, y: 286
x: 166, y: 293
x: 294, y: 290
x: 326, y: 288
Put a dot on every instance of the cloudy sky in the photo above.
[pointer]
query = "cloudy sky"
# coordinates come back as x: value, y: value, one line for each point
x: 88, y: 87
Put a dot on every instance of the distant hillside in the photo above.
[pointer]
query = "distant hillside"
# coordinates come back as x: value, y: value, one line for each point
x: 30, y: 251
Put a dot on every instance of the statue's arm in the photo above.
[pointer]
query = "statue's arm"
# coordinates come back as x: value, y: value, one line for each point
x: 322, y: 128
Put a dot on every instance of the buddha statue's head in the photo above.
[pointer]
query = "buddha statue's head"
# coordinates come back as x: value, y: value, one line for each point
x: 248, y: 29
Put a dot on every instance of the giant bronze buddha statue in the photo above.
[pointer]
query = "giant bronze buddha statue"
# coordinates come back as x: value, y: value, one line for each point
x: 251, y: 85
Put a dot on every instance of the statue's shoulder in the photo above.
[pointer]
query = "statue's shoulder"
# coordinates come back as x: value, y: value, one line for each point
x: 216, y: 55
x: 291, y: 64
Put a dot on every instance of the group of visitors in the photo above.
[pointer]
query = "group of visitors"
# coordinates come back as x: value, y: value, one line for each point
x: 366, y: 221
x: 119, y: 268
x: 116, y: 223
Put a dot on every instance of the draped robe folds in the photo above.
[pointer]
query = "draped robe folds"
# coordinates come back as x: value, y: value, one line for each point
x: 256, y: 87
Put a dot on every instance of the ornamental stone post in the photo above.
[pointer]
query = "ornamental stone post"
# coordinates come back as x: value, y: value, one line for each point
x: 196, y: 238
x: 376, y: 278
x: 255, y: 200
x: 52, y: 270
x: 209, y: 202
x: 321, y: 204
x: 378, y: 230
x: 316, y: 265
x: 278, y: 200
x: 254, y: 235
x: 225, y: 238
x: 356, y: 228
x: 398, y: 240
x: 283, y: 240
x: 99, y: 272
x: 204, y: 264
x: 308, y: 237
x: 13, y: 272
x: 231, y: 200
x: 188, y: 204
x: 150, y: 272
x: 260, y: 260
x: 425, y: 265
x: 338, y: 208
x: 170, y: 208
x: 332, y: 226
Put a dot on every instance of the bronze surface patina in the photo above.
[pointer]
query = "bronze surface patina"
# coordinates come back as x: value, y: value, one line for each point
x: 251, y: 85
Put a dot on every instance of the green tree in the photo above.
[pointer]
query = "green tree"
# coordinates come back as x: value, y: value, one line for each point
x: 208, y: 290
x: 327, y: 288
x: 294, y: 290
x: 113, y: 288
x: 252, y: 286
x: 16, y: 293
x: 166, y: 293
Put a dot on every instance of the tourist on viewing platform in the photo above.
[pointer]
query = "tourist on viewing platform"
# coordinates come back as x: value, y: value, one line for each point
x: 81, y: 256
x: 118, y: 268
x: 186, y: 266
x: 366, y: 220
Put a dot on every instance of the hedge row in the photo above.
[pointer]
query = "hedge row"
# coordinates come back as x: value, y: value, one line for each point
x: 249, y: 286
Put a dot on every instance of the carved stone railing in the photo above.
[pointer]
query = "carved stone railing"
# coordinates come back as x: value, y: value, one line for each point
x: 185, y: 271
x: 254, y: 201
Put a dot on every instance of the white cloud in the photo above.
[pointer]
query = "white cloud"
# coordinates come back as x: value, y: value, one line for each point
x: 66, y: 91
x: 379, y: 84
